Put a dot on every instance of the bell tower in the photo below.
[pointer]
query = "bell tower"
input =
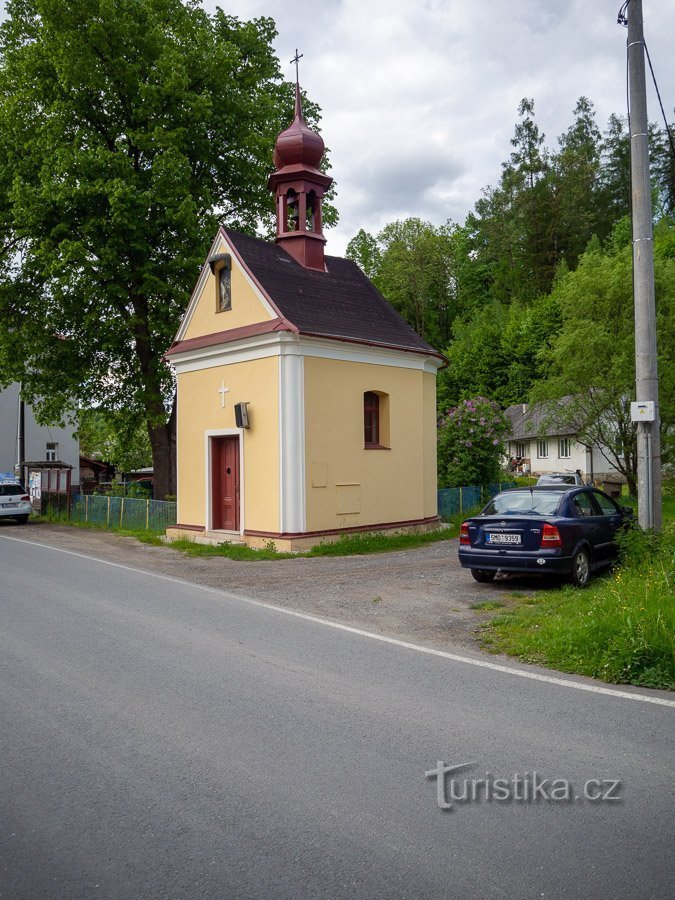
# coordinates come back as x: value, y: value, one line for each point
x: 298, y: 188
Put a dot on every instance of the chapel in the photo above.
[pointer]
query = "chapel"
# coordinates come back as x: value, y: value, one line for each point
x: 306, y: 406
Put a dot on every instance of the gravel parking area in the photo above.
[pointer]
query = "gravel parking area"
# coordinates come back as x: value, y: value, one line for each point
x: 420, y: 595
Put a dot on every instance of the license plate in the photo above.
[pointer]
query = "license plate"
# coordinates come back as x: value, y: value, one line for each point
x: 10, y: 505
x: 503, y: 538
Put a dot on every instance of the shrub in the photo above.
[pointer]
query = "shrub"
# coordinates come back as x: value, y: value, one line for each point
x: 470, y: 443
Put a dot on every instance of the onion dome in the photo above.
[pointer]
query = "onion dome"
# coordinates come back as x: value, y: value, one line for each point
x: 298, y: 145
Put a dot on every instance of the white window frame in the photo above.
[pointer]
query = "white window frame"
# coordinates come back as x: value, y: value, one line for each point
x: 564, y: 444
x: 51, y: 451
x: 542, y: 449
x: 525, y: 447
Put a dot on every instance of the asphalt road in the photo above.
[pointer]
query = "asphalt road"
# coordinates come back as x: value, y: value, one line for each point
x: 161, y: 739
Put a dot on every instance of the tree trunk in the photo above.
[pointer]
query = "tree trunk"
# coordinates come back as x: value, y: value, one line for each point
x: 163, y: 444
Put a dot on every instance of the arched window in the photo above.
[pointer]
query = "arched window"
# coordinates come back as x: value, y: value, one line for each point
x: 311, y: 211
x: 371, y: 419
x: 292, y: 210
x: 221, y: 266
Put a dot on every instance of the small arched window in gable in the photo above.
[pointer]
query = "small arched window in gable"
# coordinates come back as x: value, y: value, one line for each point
x: 221, y: 266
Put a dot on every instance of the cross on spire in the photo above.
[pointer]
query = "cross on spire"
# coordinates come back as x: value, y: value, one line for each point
x: 296, y: 59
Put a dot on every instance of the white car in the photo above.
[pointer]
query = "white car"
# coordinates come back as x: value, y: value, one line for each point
x: 570, y: 478
x: 14, y: 501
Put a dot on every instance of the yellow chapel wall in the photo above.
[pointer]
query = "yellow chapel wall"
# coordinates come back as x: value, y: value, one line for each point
x: 247, y: 308
x: 199, y: 410
x: 347, y: 485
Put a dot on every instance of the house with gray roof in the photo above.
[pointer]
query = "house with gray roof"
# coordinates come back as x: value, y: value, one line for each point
x: 540, y: 443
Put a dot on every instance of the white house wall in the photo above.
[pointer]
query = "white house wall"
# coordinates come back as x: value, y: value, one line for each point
x: 579, y: 458
x: 36, y: 436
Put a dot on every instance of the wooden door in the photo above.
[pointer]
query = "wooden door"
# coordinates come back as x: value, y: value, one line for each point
x: 225, y: 483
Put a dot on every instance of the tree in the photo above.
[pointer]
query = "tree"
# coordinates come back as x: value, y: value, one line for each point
x: 128, y: 130
x: 470, y: 443
x: 576, y: 171
x: 591, y: 362
x: 413, y: 264
x: 514, y: 223
x: 497, y: 352
x: 364, y: 250
x: 115, y: 438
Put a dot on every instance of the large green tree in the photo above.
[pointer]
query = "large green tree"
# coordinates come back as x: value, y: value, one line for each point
x: 418, y: 267
x: 128, y: 130
x: 591, y: 362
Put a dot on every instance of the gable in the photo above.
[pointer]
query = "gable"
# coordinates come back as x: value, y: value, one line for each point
x: 249, y: 305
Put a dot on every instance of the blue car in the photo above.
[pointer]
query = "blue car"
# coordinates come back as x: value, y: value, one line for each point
x: 543, y: 530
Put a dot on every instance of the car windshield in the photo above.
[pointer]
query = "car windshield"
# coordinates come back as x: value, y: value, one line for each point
x: 557, y: 479
x: 539, y: 503
x: 10, y: 490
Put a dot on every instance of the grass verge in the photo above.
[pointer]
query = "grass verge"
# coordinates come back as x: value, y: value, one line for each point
x: 348, y: 545
x: 621, y: 629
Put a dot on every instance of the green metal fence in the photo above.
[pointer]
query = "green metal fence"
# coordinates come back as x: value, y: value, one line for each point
x: 156, y: 515
x: 123, y: 512
x: 458, y: 500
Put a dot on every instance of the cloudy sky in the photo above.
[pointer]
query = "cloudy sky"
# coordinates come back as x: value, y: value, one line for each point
x: 420, y: 97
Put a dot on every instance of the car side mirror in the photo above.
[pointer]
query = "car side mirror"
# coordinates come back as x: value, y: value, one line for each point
x: 627, y: 510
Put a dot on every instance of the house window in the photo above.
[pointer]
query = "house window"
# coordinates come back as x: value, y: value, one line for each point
x: 376, y: 420
x: 522, y: 450
x: 542, y: 449
x: 52, y: 452
x: 564, y: 451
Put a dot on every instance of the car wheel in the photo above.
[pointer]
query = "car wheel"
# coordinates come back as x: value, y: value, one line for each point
x: 581, y: 569
x: 22, y: 519
x: 483, y: 575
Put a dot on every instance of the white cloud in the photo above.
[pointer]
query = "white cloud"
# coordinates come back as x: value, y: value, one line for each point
x: 420, y: 97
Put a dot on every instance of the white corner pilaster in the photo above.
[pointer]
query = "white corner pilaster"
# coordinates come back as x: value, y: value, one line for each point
x: 292, y: 507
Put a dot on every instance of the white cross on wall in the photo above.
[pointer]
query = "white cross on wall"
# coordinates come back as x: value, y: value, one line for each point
x: 222, y: 390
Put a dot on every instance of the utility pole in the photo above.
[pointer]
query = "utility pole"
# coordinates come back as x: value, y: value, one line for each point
x: 646, y: 374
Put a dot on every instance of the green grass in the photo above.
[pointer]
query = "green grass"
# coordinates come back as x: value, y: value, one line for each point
x: 231, y: 551
x: 347, y: 545
x: 377, y: 542
x: 487, y: 604
x: 621, y: 629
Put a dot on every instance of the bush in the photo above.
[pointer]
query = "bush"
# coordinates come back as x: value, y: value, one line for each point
x: 470, y: 444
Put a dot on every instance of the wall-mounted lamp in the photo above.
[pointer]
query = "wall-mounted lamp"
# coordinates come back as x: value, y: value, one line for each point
x: 241, y: 415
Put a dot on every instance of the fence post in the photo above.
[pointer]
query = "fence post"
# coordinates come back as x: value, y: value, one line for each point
x: 461, y: 508
x: 122, y: 513
x: 107, y: 518
x: 86, y: 507
x: 147, y: 515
